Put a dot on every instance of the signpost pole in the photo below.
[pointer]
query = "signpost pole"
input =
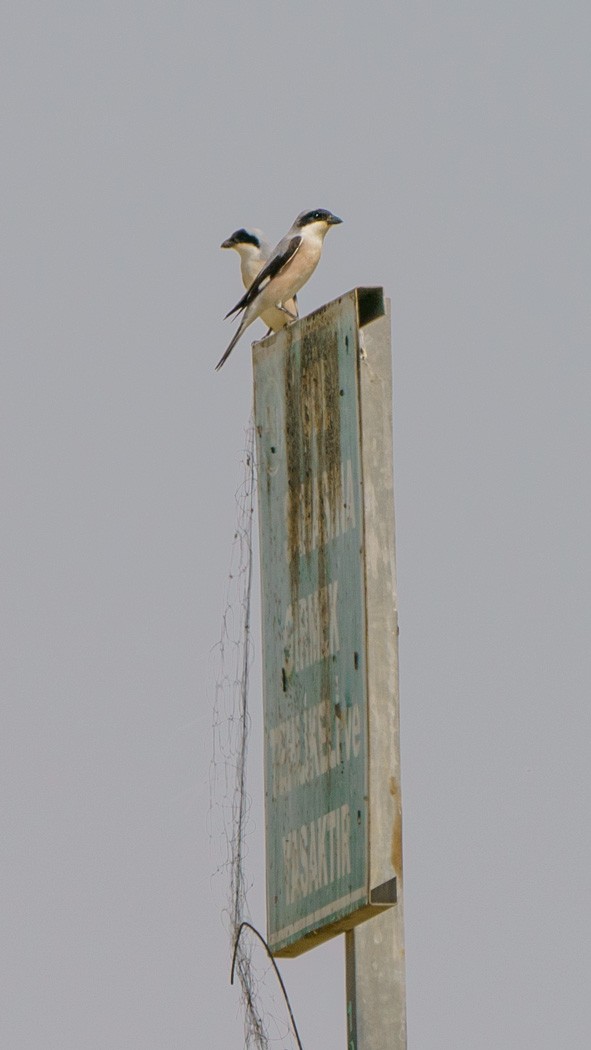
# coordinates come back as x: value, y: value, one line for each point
x: 323, y: 413
x: 374, y: 950
x: 375, y: 983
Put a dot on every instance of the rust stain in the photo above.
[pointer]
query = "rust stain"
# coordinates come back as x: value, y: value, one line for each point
x: 313, y: 453
x: 396, y: 845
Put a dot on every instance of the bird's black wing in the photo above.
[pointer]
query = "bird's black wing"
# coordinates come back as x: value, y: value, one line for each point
x: 269, y: 270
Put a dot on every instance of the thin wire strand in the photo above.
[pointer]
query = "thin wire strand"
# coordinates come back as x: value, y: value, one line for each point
x: 231, y: 731
x: 231, y: 736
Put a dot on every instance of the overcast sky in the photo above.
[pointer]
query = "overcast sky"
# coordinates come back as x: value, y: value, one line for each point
x: 453, y: 140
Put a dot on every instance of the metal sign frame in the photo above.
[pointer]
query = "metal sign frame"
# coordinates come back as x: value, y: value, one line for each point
x: 324, y: 454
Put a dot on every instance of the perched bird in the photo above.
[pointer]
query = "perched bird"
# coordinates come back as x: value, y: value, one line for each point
x: 254, y: 251
x: 287, y: 269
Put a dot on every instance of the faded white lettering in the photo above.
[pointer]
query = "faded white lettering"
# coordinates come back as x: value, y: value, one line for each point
x: 317, y: 854
x: 311, y: 742
x: 311, y: 628
x: 325, y: 509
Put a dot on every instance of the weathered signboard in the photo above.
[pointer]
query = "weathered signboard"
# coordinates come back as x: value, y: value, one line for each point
x: 314, y: 523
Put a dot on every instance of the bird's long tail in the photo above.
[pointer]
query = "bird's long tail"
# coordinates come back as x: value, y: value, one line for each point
x: 235, y: 339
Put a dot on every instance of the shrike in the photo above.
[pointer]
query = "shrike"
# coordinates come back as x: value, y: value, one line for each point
x: 254, y: 251
x: 288, y: 268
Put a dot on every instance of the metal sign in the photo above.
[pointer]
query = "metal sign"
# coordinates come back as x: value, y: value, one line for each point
x: 311, y: 513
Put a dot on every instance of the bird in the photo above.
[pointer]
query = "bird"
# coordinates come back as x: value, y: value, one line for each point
x: 287, y: 269
x: 254, y: 250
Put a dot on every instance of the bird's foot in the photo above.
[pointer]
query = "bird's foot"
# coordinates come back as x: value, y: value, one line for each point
x: 284, y: 310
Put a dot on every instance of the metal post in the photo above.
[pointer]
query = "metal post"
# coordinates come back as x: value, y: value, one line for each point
x: 375, y: 983
x: 375, y: 972
x: 323, y: 411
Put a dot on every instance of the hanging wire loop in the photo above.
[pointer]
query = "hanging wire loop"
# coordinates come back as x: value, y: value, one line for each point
x: 248, y: 926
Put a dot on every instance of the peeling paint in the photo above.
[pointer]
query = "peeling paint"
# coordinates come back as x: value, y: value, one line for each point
x: 313, y: 444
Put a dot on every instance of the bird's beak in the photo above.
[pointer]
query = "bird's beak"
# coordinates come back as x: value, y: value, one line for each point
x: 334, y: 220
x: 228, y: 243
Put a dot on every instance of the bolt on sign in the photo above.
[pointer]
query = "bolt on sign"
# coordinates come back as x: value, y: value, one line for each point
x: 324, y: 454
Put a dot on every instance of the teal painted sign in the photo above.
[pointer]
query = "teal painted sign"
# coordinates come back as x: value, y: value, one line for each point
x: 315, y: 704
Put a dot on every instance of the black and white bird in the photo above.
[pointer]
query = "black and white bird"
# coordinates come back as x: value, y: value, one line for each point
x: 254, y: 250
x: 287, y: 269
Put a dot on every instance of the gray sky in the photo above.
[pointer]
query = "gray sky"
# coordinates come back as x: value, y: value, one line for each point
x: 453, y: 139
